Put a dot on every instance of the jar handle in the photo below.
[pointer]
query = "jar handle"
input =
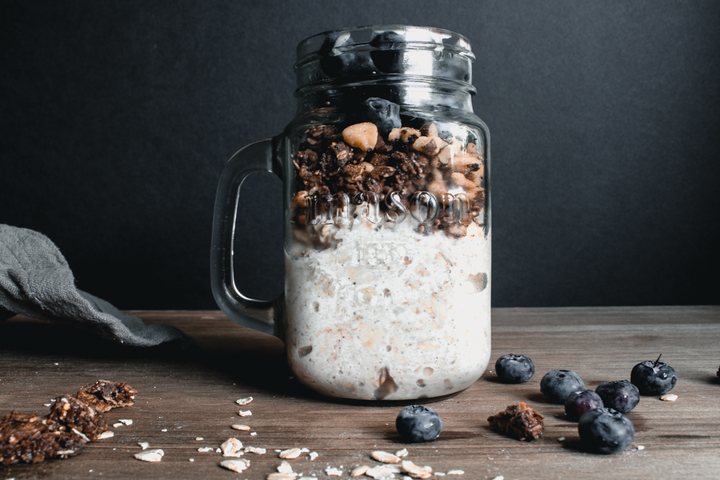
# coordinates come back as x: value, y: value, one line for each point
x: 256, y: 314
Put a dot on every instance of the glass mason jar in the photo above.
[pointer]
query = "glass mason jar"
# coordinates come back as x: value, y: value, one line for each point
x: 387, y: 218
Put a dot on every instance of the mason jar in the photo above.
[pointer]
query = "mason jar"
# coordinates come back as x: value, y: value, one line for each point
x: 386, y: 218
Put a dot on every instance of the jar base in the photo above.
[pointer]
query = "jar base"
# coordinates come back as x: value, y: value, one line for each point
x: 382, y: 403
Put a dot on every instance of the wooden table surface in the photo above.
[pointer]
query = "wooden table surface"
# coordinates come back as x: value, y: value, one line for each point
x: 183, y: 397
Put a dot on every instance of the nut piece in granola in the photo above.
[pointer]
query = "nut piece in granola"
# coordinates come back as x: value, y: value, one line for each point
x: 520, y: 421
x: 104, y: 395
x: 361, y: 135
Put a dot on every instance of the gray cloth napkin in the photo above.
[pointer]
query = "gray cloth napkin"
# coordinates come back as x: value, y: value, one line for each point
x: 36, y: 280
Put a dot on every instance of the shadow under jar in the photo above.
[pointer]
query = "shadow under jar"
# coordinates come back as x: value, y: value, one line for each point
x: 387, y: 219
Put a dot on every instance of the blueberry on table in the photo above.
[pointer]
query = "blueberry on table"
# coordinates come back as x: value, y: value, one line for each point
x: 653, y: 378
x: 388, y: 55
x: 622, y: 395
x: 383, y: 113
x: 605, y: 430
x: 577, y: 403
x: 558, y: 384
x: 418, y: 423
x: 514, y: 368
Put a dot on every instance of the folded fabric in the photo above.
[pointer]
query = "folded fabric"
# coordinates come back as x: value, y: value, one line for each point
x: 36, y: 280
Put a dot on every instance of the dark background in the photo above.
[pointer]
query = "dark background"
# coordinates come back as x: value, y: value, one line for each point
x: 118, y: 116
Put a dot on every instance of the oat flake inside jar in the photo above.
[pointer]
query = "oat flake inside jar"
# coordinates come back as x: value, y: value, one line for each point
x: 387, y: 218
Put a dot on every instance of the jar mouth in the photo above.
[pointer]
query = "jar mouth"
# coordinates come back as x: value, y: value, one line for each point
x: 369, y: 52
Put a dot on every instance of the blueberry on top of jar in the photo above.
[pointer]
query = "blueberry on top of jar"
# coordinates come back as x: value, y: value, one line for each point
x: 383, y: 113
x: 336, y: 63
x: 388, y: 55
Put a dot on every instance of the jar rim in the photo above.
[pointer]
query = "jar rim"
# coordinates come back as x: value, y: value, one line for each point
x: 361, y: 38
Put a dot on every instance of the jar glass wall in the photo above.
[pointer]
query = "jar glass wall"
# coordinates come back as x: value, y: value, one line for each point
x: 387, y: 244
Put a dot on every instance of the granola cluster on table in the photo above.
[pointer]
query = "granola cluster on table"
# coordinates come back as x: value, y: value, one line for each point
x: 520, y: 421
x: 72, y: 422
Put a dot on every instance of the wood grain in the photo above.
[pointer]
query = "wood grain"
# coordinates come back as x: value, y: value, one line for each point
x: 184, y: 396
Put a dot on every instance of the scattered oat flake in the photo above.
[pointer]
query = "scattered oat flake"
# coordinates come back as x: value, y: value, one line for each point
x: 460, y: 472
x: 199, y: 439
x: 641, y: 447
x: 231, y: 448
x: 244, y: 401
x: 499, y: 477
x: 313, y: 455
x: 284, y: 467
x: 118, y: 424
x: 253, y: 434
x: 416, y: 471
x: 164, y: 430
x: 150, y: 455
x: 382, y: 471
x: 126, y: 421
x: 282, y: 476
x: 245, y: 413
x: 257, y: 451
x: 205, y: 449
x: 359, y: 471
x: 144, y: 445
x: 385, y: 457
x: 669, y: 397
x: 106, y: 434
x: 191, y: 459
x: 290, y: 453
x: 236, y: 465
x: 402, y: 453
x: 561, y: 439
x: 244, y: 428
x: 334, y: 472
